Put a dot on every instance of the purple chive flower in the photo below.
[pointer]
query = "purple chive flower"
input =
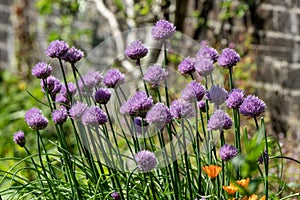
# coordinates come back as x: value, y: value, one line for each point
x: 145, y: 160
x: 116, y: 196
x: 228, y: 58
x: 181, y: 109
x: 35, y: 119
x: 252, y: 106
x: 59, y: 116
x: 72, y: 89
x: 193, y: 92
x: 265, y: 156
x: 62, y: 98
x: 227, y: 152
x: 94, y: 116
x: 201, y: 105
x: 235, y: 98
x: 19, y: 138
x: 140, y: 125
x: 138, y: 105
x: 113, y: 78
x: 187, y: 65
x: 204, y: 66
x: 136, y: 50
x: 163, y: 30
x: 219, y: 120
x: 41, y: 70
x: 73, y: 55
x: 155, y: 74
x: 57, y: 49
x: 102, y: 95
x: 77, y: 110
x: 208, y: 52
x: 90, y: 80
x: 217, y: 95
x: 159, y: 115
x: 53, y: 85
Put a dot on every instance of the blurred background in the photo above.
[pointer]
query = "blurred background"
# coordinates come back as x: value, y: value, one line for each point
x: 266, y: 33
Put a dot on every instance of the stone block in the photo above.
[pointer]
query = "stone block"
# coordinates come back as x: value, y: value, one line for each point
x: 4, y: 17
x: 293, y: 79
x: 3, y: 55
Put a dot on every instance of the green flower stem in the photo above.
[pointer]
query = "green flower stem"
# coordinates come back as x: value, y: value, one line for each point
x: 266, y: 161
x: 256, y: 123
x: 222, y: 138
x: 152, y: 185
x: 231, y: 84
x: 114, y: 136
x: 186, y: 160
x: 76, y: 81
x: 198, y: 154
x: 138, y: 63
x: 82, y: 81
x: 176, y: 184
x: 39, y: 139
x: 65, y: 79
x: 165, y: 66
x: 127, y: 183
x: 35, y: 166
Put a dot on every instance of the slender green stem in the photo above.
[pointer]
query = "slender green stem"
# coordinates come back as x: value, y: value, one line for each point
x: 165, y: 66
x: 65, y: 80
x: 35, y: 166
x: 230, y: 78
x: 266, y: 161
x: 138, y: 63
x: 198, y: 154
x: 186, y: 160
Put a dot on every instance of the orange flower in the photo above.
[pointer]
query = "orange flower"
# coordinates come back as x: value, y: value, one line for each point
x: 253, y: 197
x: 244, y: 182
x: 263, y: 198
x: 212, y: 170
x: 230, y: 189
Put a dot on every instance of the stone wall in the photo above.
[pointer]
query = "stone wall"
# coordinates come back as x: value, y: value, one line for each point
x: 5, y: 32
x: 278, y: 61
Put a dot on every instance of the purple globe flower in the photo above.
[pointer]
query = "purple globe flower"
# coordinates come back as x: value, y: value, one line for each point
x: 90, y: 80
x: 19, y: 138
x: 208, y: 52
x: 136, y: 50
x: 62, y: 98
x: 41, y: 70
x: 94, y: 116
x: 228, y: 58
x: 163, y: 30
x: 57, y: 49
x: 116, y: 196
x: 227, y: 152
x: 252, y: 106
x: 155, y: 75
x: 102, y: 95
x: 138, y: 105
x: 113, y: 78
x: 77, y: 110
x: 181, y: 109
x: 59, y: 116
x: 145, y: 160
x: 204, y: 66
x: 53, y: 85
x: 235, y: 98
x: 73, y: 55
x: 35, y: 119
x: 193, y: 92
x: 140, y: 125
x: 217, y: 95
x: 159, y: 115
x: 72, y: 89
x: 202, y: 105
x: 219, y: 120
x: 187, y: 65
